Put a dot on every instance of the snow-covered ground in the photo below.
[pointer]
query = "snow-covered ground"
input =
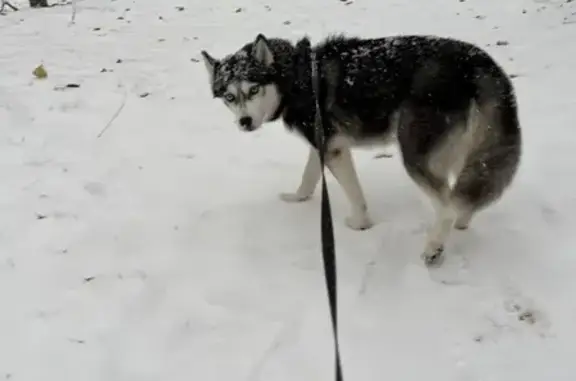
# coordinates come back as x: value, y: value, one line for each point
x: 160, y: 251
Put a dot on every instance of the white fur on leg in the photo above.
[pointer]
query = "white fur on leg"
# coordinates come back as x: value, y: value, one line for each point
x: 438, y: 234
x: 463, y: 219
x: 310, y: 178
x: 342, y: 167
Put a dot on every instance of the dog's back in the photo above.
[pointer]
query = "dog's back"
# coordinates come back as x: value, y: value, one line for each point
x: 369, y: 79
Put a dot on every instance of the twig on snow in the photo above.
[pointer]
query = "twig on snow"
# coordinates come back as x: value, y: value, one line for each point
x: 6, y: 3
x: 73, y: 19
x: 118, y: 111
x: 39, y: 3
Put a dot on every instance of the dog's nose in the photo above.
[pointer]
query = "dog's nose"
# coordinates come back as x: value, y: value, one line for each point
x: 246, y: 122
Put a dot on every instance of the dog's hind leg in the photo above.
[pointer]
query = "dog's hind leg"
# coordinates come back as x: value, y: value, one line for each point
x: 310, y: 179
x: 484, y: 179
x: 437, y: 189
x: 491, y: 164
x: 429, y: 144
x: 464, y: 217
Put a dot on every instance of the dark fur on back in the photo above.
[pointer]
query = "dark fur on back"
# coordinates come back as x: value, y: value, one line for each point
x: 369, y: 79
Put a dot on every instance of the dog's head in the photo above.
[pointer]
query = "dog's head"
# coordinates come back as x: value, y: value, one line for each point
x: 245, y: 83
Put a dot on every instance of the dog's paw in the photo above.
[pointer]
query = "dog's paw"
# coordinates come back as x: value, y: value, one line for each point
x: 433, y: 256
x: 459, y: 225
x: 362, y: 222
x: 294, y: 197
x: 463, y: 221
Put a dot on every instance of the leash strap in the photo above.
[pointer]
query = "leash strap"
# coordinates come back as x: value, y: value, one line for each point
x: 327, y: 229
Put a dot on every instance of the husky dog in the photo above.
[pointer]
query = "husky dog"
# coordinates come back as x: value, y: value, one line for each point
x: 446, y: 103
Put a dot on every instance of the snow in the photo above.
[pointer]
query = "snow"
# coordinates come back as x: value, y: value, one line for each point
x: 160, y: 251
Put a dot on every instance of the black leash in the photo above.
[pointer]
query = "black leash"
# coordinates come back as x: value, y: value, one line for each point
x: 327, y: 229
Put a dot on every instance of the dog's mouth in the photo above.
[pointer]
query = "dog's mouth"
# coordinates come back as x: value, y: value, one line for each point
x: 249, y: 128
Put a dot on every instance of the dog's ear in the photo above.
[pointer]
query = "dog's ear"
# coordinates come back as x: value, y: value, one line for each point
x: 304, y: 45
x: 210, y: 63
x: 302, y: 51
x: 261, y: 50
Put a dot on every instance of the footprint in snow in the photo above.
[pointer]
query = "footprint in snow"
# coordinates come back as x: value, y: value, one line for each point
x: 516, y: 314
x: 452, y: 272
x: 95, y: 189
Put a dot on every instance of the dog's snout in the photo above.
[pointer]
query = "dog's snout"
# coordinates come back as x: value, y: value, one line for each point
x: 246, y: 122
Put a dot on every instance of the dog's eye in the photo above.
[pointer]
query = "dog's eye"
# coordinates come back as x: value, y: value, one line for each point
x: 254, y: 90
x: 229, y: 97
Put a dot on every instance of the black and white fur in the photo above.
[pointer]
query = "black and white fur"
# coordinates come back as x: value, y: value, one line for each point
x: 447, y: 103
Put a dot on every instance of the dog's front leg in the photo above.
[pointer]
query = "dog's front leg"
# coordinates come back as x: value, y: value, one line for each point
x: 310, y: 179
x: 341, y: 164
